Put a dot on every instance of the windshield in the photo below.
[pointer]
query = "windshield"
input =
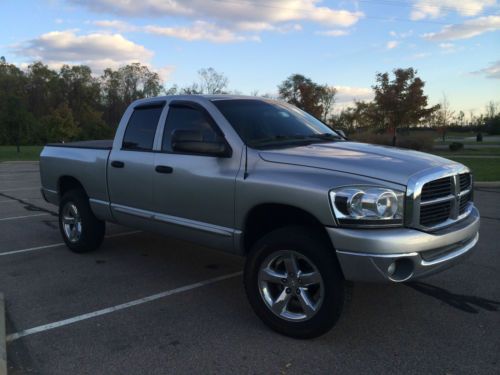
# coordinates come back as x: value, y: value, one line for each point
x: 263, y: 124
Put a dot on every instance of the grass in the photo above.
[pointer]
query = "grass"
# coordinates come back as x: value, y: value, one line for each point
x: 483, y: 169
x: 28, y: 153
x: 485, y: 151
x: 487, y: 169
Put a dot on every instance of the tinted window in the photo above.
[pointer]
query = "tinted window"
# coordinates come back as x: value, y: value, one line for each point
x: 261, y: 123
x: 141, y: 128
x: 187, y: 118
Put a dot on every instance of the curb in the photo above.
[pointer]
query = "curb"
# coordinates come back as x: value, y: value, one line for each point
x: 487, y: 184
x: 3, y: 343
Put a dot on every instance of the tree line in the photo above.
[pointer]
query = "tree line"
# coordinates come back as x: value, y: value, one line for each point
x: 40, y: 105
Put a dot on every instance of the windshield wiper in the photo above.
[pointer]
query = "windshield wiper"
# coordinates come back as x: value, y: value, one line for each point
x: 293, y: 139
x: 325, y: 136
x: 278, y: 139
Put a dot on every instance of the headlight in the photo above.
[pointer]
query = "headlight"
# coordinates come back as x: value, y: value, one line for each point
x: 367, y: 205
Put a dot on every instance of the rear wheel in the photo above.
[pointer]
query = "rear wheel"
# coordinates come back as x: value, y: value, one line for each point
x: 293, y: 282
x: 80, y: 229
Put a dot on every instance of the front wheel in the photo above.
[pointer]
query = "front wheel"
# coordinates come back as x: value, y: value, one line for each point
x: 80, y: 229
x: 293, y: 282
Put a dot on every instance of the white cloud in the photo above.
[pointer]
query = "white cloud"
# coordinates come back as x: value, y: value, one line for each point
x: 392, y: 44
x: 116, y: 25
x: 229, y: 13
x: 334, y: 32
x: 401, y: 35
x: 349, y: 94
x: 446, y: 45
x: 420, y: 55
x: 165, y: 72
x: 493, y: 71
x: 200, y: 30
x: 439, y: 8
x: 468, y: 29
x: 67, y: 47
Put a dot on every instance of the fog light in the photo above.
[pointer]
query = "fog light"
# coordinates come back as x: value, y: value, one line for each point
x: 400, y: 270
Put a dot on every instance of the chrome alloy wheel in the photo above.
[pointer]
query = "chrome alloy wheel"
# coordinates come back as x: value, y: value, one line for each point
x: 291, y: 285
x: 72, y: 222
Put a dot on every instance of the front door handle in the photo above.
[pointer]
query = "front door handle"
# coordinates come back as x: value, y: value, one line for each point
x: 117, y: 164
x: 163, y: 169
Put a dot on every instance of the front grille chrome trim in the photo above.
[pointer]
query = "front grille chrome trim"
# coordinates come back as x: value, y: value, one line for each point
x: 414, y: 192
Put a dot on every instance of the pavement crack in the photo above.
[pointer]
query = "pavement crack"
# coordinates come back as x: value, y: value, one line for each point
x: 29, y: 206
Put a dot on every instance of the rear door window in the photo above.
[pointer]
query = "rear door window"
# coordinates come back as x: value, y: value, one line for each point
x: 141, y: 128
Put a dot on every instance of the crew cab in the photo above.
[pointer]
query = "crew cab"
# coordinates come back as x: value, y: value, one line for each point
x: 308, y: 208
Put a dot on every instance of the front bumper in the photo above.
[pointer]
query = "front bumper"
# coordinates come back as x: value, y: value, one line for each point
x: 402, y: 254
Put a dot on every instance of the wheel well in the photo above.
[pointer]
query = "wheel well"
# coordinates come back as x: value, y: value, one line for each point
x: 67, y: 183
x: 268, y: 217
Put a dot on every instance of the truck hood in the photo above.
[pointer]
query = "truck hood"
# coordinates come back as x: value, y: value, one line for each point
x: 379, y: 162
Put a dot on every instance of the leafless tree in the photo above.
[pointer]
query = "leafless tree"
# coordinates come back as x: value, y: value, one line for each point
x: 445, y: 115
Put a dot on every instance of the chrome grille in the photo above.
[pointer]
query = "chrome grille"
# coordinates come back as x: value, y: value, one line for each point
x: 437, y: 189
x: 465, y: 181
x: 464, y: 202
x: 438, y: 199
x: 435, y: 213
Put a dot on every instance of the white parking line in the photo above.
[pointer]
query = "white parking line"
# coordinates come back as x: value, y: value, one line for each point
x: 22, y: 217
x: 61, y: 244
x: 46, y: 327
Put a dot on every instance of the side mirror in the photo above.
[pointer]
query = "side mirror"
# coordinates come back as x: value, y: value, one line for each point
x: 192, y: 142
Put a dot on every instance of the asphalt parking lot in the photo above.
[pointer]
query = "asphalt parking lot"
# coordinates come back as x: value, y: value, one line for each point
x: 144, y: 304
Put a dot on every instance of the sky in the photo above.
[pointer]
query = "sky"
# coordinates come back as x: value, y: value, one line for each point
x: 454, y: 45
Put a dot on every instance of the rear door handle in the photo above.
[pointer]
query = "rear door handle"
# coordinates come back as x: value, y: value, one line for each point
x: 163, y: 169
x: 117, y: 164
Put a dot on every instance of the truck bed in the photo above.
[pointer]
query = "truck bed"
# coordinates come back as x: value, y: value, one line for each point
x: 104, y: 144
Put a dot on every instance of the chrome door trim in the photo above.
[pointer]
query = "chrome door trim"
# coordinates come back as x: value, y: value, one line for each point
x: 175, y: 220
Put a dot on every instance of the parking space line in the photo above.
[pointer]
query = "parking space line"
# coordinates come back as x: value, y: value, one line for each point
x: 23, y: 217
x: 61, y: 244
x: 61, y: 323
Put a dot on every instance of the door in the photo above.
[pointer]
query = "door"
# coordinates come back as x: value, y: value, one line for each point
x: 130, y: 169
x: 194, y: 194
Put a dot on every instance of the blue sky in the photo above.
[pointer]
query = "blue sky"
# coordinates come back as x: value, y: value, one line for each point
x: 454, y: 45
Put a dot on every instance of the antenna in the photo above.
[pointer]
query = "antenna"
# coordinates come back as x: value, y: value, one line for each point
x: 245, y: 175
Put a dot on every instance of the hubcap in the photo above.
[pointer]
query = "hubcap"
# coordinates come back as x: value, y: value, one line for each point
x: 291, y: 285
x: 72, y: 222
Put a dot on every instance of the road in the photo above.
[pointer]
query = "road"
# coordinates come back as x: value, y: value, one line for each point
x: 144, y: 304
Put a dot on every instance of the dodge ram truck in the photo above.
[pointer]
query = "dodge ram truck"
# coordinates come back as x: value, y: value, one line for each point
x: 309, y: 209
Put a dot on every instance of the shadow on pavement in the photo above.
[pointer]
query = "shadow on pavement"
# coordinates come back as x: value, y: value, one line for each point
x: 470, y: 304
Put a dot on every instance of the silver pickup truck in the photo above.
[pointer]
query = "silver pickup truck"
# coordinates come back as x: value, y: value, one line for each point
x: 309, y: 209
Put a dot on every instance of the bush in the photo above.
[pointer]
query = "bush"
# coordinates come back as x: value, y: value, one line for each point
x: 419, y: 142
x: 369, y: 137
x: 456, y: 146
x: 423, y: 141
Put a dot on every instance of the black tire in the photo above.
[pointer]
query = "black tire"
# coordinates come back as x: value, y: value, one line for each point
x: 310, y: 243
x: 92, y: 229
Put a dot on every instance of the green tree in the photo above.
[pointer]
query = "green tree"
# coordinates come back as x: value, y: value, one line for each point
x: 60, y: 125
x: 13, y: 111
x: 307, y: 95
x: 121, y: 87
x: 401, y: 101
x: 42, y: 89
